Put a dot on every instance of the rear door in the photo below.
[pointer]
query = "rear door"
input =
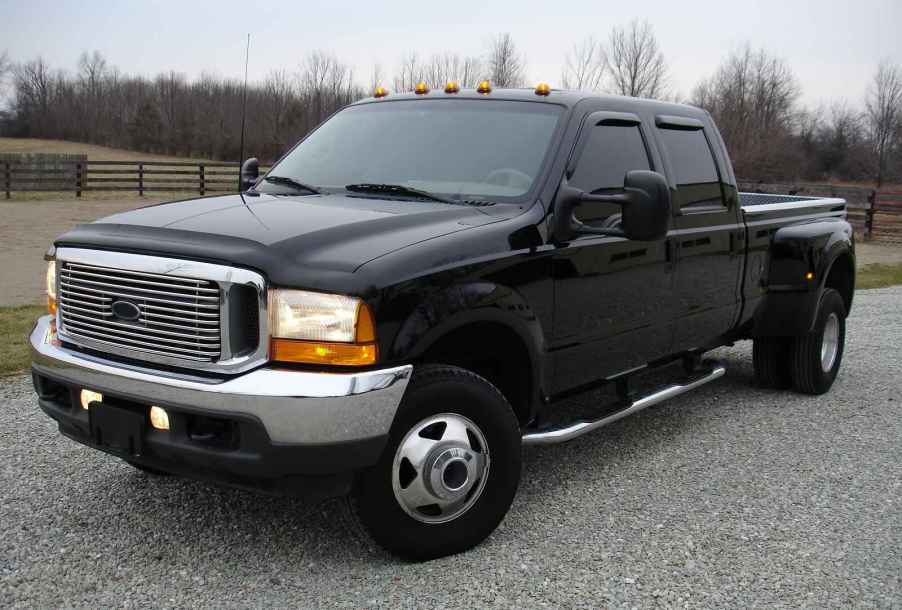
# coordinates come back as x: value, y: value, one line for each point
x: 708, y: 237
x: 612, y: 295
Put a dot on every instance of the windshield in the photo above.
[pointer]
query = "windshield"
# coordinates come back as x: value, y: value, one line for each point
x: 457, y: 149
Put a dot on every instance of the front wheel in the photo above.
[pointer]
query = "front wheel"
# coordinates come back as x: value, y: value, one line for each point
x: 450, y: 470
x: 816, y: 356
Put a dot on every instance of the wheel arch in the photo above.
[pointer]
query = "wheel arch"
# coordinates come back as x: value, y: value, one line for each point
x: 499, y: 338
x: 804, y: 260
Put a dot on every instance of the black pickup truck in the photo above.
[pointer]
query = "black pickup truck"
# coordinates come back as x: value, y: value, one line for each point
x: 402, y: 302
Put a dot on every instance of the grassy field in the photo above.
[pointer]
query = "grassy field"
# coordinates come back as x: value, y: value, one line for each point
x: 879, y: 275
x: 94, y: 152
x: 15, y: 322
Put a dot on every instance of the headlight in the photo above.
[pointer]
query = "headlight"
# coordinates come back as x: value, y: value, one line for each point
x: 318, y: 328
x: 51, y: 286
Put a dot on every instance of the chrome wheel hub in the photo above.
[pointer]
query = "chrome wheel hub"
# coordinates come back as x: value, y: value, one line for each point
x: 440, y: 468
x: 830, y: 343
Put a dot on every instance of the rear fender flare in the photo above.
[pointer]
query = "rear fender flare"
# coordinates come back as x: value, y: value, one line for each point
x: 790, y: 306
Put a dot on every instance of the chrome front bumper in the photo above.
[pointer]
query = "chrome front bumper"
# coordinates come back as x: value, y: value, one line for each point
x: 295, y: 407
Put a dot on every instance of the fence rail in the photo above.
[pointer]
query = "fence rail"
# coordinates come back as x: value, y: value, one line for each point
x: 22, y: 176
x: 874, y: 214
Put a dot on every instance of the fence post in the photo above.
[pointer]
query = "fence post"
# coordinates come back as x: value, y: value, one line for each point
x: 78, y: 179
x: 140, y: 179
x: 8, y: 179
x: 869, y: 214
x: 202, y: 185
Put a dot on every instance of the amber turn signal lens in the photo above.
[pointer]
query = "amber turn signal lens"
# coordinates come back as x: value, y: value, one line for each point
x: 484, y: 87
x: 452, y: 87
x: 315, y: 352
x: 543, y: 89
x: 380, y: 92
x: 366, y: 327
x: 421, y: 89
x: 51, y: 305
x: 809, y: 276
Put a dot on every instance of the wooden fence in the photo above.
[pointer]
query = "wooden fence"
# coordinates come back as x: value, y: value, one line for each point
x: 135, y: 176
x: 874, y: 214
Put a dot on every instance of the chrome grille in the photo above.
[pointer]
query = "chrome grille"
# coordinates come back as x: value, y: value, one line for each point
x: 177, y: 317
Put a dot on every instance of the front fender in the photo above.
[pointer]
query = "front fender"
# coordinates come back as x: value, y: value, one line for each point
x: 800, y: 259
x: 440, y: 313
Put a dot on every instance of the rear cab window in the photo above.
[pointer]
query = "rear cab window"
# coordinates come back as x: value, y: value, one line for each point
x: 692, y: 163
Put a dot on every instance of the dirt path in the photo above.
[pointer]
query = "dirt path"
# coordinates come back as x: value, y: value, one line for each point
x: 26, y: 230
x: 28, y: 227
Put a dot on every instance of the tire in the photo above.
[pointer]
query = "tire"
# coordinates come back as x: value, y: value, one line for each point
x: 147, y: 469
x: 772, y: 360
x: 816, y: 356
x: 469, y: 440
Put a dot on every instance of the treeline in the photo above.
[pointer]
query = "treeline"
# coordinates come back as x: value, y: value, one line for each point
x: 754, y: 97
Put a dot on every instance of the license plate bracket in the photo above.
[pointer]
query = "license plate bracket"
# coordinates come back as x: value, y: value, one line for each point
x: 116, y: 429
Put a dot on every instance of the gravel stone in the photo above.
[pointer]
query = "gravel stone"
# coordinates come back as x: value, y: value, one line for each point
x: 731, y: 496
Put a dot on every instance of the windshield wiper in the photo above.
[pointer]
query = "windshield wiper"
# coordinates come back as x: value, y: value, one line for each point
x: 286, y: 181
x: 396, y: 189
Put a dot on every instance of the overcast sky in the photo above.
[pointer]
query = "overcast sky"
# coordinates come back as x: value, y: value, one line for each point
x: 832, y: 45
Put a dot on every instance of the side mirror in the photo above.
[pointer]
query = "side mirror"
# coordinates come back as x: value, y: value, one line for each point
x: 250, y: 171
x: 646, y: 209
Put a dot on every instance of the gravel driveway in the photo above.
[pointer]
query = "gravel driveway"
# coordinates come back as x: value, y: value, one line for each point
x: 729, y: 497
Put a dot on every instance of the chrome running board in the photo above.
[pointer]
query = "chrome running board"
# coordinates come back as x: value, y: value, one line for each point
x: 562, y: 435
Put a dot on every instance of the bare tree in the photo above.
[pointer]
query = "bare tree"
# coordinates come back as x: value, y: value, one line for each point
x: 884, y: 113
x: 34, y: 96
x: 5, y: 68
x: 92, y: 73
x: 636, y: 62
x: 506, y: 65
x: 445, y: 67
x: 326, y: 84
x: 752, y: 99
x: 411, y: 73
x: 584, y: 66
x: 377, y: 78
x: 278, y: 102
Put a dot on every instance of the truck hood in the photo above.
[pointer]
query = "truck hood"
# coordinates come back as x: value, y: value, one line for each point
x: 297, y: 240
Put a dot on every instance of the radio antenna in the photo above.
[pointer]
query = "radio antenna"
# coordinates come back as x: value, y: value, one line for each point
x: 247, y: 52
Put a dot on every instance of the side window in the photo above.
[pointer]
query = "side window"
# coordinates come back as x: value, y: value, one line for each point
x: 610, y: 152
x: 698, y: 184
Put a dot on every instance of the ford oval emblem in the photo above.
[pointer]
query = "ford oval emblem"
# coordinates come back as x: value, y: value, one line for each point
x: 125, y: 310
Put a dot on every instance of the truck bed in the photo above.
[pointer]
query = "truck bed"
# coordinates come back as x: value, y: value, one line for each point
x: 759, y: 203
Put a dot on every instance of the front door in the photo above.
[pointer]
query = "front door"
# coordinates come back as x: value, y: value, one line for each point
x: 612, y: 295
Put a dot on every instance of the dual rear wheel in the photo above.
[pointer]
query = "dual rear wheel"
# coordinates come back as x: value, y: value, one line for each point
x: 808, y: 363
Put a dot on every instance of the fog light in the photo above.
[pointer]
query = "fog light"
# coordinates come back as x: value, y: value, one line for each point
x: 89, y: 396
x: 159, y: 419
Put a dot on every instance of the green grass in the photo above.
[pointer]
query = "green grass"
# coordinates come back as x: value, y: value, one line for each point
x: 15, y: 324
x: 879, y: 275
